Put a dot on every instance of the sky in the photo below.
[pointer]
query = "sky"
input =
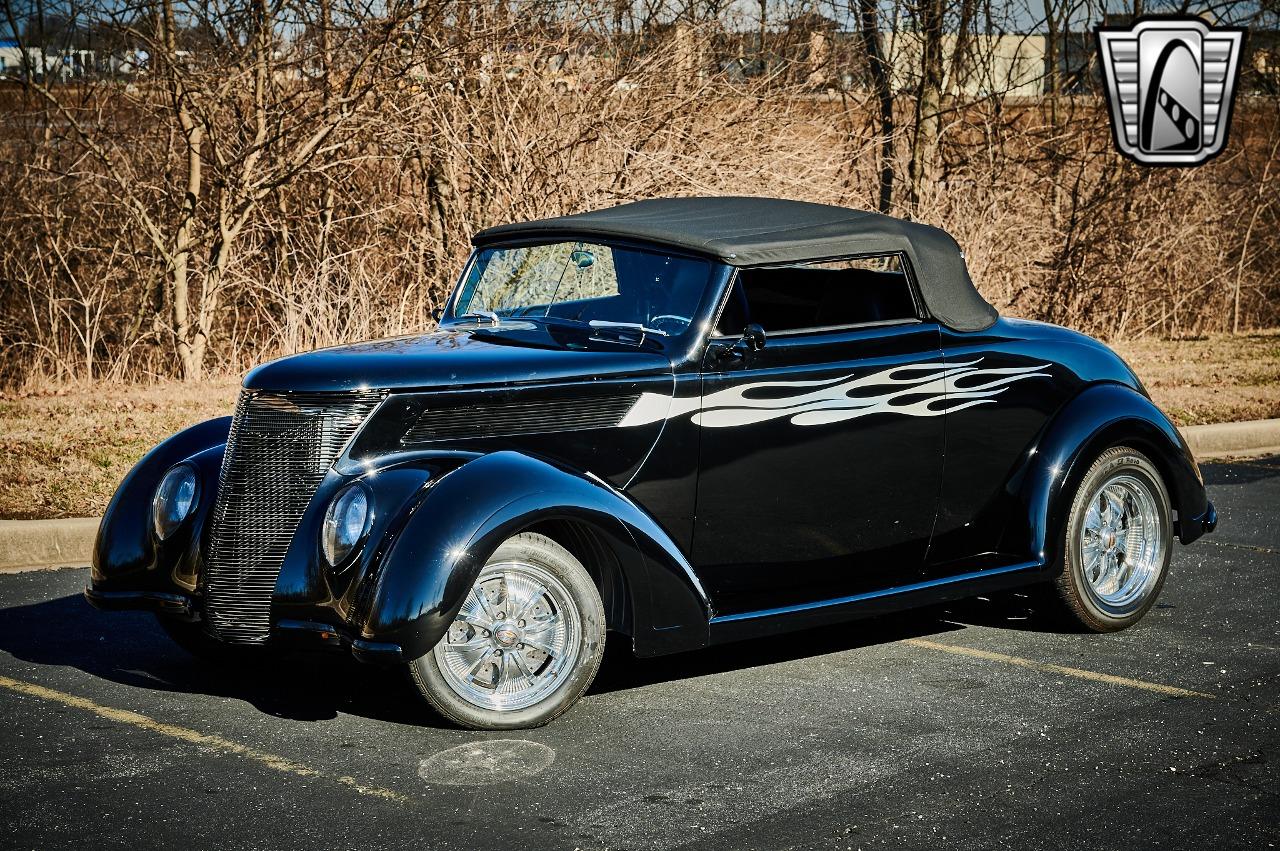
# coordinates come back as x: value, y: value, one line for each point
x: 1014, y: 15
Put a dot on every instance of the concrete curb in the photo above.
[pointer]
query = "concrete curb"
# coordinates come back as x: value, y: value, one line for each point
x: 1234, y: 440
x: 37, y: 544
x: 43, y: 544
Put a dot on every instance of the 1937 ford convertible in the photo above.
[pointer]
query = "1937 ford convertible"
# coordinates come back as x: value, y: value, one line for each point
x: 681, y: 421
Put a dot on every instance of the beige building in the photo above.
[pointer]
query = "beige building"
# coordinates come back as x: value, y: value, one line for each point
x: 1010, y: 65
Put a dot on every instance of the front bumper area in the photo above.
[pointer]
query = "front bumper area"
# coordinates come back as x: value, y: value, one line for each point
x: 285, y: 633
x: 173, y: 605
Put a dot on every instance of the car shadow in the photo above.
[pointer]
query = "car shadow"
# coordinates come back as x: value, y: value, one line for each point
x: 622, y: 670
x: 1010, y: 610
x: 130, y: 648
x: 1014, y: 610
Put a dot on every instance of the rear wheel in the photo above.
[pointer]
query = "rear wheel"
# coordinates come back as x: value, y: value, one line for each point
x: 1118, y: 544
x: 525, y: 645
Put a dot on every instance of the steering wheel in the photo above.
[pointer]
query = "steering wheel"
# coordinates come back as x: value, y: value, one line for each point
x: 670, y: 317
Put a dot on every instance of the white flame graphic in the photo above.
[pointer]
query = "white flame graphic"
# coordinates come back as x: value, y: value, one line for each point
x: 932, y: 389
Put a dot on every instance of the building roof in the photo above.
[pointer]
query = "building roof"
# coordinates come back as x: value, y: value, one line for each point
x: 771, y: 231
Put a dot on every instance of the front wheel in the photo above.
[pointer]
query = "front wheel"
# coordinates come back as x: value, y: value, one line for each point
x: 1118, y: 543
x: 525, y: 645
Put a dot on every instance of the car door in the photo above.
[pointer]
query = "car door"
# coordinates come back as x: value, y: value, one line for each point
x: 820, y: 453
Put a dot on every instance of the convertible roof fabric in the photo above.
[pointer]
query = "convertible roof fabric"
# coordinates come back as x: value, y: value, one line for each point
x: 772, y: 231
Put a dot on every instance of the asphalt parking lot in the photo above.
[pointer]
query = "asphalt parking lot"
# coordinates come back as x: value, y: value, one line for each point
x: 972, y: 727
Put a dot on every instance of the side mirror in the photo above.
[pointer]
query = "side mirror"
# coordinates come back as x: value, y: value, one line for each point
x: 753, y: 339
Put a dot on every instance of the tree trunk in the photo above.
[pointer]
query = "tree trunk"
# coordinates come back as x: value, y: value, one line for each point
x: 1053, y: 81
x: 190, y: 356
x: 882, y: 85
x: 927, y: 118
x: 764, y: 22
x: 327, y: 196
x: 1055, y: 20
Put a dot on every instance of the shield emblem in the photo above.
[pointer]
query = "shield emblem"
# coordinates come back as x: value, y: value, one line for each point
x: 1170, y: 83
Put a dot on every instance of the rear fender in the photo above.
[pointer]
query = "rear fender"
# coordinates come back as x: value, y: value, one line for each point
x: 426, y: 574
x: 1100, y: 417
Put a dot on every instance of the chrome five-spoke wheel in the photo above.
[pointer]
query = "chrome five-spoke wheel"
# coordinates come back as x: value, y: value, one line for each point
x: 1118, y: 542
x: 1121, y: 542
x: 525, y: 644
x: 516, y: 635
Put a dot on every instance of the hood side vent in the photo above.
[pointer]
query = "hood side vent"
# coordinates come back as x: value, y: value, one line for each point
x: 509, y: 419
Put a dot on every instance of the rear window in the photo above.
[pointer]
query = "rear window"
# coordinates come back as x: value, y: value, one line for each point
x: 858, y: 291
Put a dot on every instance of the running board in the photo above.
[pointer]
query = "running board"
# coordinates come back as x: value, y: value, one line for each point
x: 928, y: 592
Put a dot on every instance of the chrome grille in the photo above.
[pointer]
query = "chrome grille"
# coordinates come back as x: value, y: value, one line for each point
x: 279, y: 449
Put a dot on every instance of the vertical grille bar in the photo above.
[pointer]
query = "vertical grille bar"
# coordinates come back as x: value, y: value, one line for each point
x: 278, y: 451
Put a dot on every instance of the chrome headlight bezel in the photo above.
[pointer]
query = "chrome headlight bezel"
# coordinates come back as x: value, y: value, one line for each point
x: 179, y: 488
x: 339, y: 552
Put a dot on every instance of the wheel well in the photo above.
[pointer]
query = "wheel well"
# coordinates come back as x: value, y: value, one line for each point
x: 1133, y: 433
x: 1123, y: 434
x: 589, y: 546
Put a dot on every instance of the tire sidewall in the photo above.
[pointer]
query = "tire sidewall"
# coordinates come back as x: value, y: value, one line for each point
x: 1111, y: 463
x: 550, y: 556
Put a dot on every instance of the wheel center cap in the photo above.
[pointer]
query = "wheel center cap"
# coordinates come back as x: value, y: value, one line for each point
x: 505, y: 635
x: 1110, y: 539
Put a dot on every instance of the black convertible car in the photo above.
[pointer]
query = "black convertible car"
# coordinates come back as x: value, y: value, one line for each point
x: 682, y: 421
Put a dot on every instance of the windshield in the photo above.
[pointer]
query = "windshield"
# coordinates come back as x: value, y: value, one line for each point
x: 597, y: 286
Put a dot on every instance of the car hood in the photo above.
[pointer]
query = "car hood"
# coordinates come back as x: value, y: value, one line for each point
x: 452, y: 359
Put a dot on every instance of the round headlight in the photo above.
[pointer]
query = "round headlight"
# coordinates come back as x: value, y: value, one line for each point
x: 174, y: 499
x: 345, y: 524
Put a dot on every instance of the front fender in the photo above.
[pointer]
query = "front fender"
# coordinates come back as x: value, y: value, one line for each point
x: 126, y: 555
x: 1101, y: 416
x: 424, y: 577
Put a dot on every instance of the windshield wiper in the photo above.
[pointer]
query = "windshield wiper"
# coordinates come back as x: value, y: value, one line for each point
x: 626, y: 326
x: 601, y: 326
x: 483, y: 314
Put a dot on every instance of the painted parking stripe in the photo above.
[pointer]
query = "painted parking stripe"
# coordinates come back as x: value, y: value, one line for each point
x: 973, y: 652
x: 194, y: 737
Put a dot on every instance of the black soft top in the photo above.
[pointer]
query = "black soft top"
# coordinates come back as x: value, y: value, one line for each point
x: 773, y: 231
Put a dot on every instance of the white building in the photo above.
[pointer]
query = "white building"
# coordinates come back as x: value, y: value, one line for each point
x: 15, y: 60
x: 62, y: 65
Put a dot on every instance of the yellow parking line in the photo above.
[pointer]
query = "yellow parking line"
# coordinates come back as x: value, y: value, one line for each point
x: 1159, y: 688
x: 205, y: 740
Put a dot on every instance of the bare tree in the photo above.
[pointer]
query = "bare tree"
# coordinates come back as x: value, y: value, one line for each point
x: 926, y: 129
x: 246, y: 178
x: 878, y: 72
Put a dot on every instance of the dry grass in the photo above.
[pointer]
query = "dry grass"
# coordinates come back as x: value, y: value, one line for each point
x: 64, y: 450
x: 1210, y: 379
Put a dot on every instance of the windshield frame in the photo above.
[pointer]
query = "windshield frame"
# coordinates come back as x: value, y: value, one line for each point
x: 699, y: 327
